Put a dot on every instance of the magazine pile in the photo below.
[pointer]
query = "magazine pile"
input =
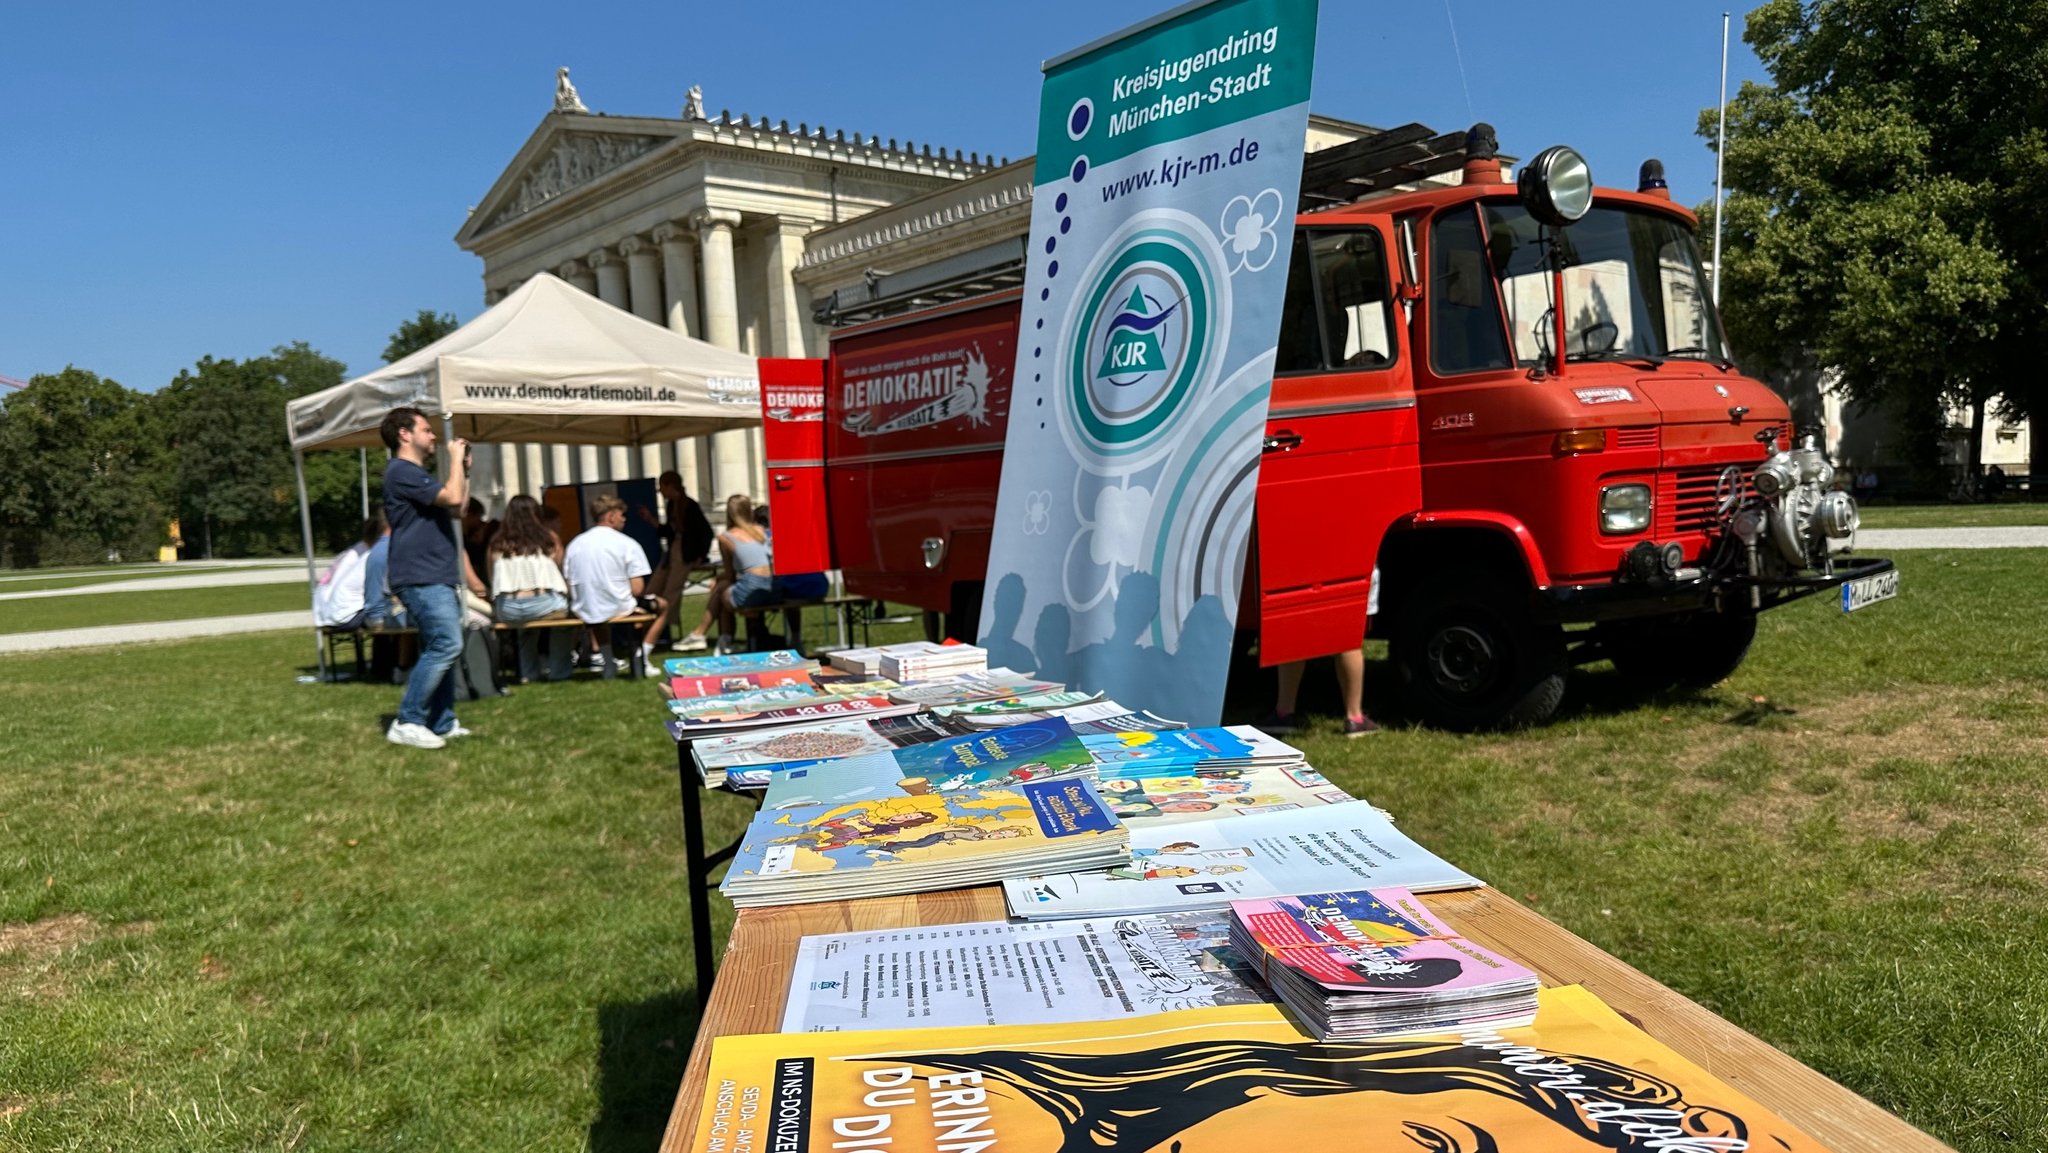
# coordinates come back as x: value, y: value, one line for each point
x: 1375, y: 963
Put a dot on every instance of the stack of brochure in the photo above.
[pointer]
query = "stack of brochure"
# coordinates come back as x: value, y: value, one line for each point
x: 909, y: 843
x: 749, y: 760
x: 1210, y: 863
x: 1375, y: 962
x: 995, y: 758
x: 925, y: 660
x: 960, y: 811
x: 967, y: 688
x: 998, y: 712
x: 769, y: 708
x: 1171, y: 777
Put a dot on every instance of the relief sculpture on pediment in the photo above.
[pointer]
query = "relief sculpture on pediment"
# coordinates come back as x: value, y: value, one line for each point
x: 574, y: 161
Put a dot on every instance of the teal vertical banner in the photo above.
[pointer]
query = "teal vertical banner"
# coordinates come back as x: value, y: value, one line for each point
x: 1168, y: 170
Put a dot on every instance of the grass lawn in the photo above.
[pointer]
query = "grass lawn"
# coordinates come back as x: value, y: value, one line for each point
x: 160, y: 605
x: 2002, y: 515
x: 231, y: 916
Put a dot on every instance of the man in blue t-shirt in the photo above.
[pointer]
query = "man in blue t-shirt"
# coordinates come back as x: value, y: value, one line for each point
x: 424, y: 572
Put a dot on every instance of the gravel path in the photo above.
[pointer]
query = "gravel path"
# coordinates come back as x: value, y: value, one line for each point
x: 1882, y: 539
x: 283, y: 575
x: 101, y: 635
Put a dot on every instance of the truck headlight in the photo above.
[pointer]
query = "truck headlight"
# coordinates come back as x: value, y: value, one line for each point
x: 1624, y: 508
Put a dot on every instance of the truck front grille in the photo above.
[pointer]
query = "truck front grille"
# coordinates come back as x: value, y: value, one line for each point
x: 1688, y: 499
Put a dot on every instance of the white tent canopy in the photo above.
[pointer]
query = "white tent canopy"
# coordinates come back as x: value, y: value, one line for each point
x: 548, y: 363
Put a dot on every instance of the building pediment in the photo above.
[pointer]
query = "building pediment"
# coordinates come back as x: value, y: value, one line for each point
x: 567, y: 152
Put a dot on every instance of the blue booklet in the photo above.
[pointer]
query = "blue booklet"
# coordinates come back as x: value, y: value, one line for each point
x: 991, y: 759
x: 734, y: 663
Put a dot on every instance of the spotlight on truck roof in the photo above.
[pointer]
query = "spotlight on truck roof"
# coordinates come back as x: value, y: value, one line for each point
x: 1557, y: 186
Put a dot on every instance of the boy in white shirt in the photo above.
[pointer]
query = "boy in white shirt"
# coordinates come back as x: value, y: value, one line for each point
x: 607, y: 570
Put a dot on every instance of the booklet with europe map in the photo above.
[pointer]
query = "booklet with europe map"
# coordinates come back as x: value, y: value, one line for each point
x: 920, y: 842
x: 1004, y: 973
x: 1210, y: 863
x: 1233, y: 1078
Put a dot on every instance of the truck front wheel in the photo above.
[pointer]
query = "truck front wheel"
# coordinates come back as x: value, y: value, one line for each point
x: 1470, y: 656
x: 1694, y: 651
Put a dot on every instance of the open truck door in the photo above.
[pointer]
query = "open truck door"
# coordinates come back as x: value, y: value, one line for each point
x: 793, y: 432
x: 1341, y: 452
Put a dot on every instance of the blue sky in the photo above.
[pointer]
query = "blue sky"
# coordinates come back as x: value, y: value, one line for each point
x: 206, y: 178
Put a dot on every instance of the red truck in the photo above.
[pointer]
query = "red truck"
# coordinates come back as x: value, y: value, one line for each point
x: 1535, y: 486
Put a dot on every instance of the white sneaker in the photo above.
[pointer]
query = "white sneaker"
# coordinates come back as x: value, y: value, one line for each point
x: 458, y: 731
x: 694, y: 643
x: 653, y: 668
x: 418, y: 736
x: 594, y: 661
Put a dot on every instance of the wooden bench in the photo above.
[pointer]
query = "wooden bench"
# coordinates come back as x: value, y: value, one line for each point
x: 852, y: 613
x: 333, y: 636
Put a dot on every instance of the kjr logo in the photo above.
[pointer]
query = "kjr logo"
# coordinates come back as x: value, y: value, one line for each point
x: 1133, y: 345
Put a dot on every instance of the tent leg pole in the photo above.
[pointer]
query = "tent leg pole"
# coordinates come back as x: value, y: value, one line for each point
x: 312, y: 567
x: 363, y: 456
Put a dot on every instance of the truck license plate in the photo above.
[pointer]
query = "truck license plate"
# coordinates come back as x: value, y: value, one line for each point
x: 1866, y: 591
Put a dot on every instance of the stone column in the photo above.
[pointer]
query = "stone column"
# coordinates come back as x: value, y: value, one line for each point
x: 620, y: 462
x: 494, y: 295
x: 651, y: 464
x: 532, y: 473
x: 558, y: 465
x: 509, y: 481
x: 611, y: 277
x: 577, y: 273
x: 721, y: 285
x: 679, y: 277
x: 788, y: 310
x: 643, y: 272
x: 587, y: 467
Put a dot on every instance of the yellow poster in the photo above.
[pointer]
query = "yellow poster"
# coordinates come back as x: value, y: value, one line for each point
x: 1228, y: 1079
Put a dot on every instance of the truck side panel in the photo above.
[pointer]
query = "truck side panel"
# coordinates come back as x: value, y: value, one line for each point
x: 916, y: 408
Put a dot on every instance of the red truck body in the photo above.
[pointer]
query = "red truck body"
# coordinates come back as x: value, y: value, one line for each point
x: 1420, y: 424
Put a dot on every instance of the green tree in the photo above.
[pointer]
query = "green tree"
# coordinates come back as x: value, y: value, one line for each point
x: 419, y: 332
x: 1883, y: 214
x: 73, y: 449
x: 232, y: 479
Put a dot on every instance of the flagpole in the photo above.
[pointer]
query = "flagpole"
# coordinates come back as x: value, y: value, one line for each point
x: 1720, y: 153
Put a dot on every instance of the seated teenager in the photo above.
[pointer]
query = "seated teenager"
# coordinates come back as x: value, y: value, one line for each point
x: 607, y: 570
x: 338, y: 602
x: 747, y: 579
x: 527, y: 585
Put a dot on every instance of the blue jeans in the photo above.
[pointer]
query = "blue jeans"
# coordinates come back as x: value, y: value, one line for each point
x: 513, y: 610
x: 430, y: 692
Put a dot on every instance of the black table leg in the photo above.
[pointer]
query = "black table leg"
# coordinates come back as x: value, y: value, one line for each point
x: 698, y: 870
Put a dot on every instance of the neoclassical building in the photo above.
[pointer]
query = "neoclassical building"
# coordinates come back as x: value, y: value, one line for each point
x: 696, y: 222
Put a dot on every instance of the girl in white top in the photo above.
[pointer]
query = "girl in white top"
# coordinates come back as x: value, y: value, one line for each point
x: 527, y: 585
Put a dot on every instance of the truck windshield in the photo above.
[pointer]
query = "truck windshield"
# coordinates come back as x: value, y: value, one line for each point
x: 1632, y: 287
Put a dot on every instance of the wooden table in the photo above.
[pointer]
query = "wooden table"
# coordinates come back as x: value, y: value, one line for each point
x: 754, y: 980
